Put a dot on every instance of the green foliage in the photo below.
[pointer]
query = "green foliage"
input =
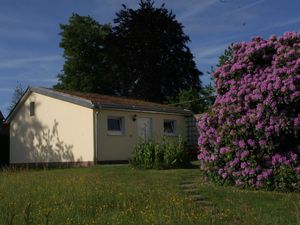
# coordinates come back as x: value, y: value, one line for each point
x: 85, y: 67
x: 18, y: 93
x: 194, y: 100
x: 121, y: 195
x: 144, y: 55
x: 226, y: 57
x: 149, y: 55
x: 145, y: 154
x: 168, y: 154
x: 285, y: 179
x: 174, y: 154
x: 250, y: 137
x: 208, y: 95
x: 95, y: 195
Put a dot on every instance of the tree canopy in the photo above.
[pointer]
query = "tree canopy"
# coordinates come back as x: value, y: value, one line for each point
x: 196, y: 101
x: 226, y: 57
x: 85, y: 67
x: 18, y: 93
x: 148, y: 50
x: 143, y: 55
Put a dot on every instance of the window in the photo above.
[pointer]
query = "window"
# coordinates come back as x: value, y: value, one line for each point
x: 32, y: 108
x: 170, y: 127
x: 115, y: 125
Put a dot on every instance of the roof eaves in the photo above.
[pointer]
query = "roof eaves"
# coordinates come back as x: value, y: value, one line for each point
x: 53, y: 94
x: 63, y: 96
x: 143, y: 108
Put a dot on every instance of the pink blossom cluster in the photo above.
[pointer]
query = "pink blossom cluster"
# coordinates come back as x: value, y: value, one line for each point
x: 253, y: 127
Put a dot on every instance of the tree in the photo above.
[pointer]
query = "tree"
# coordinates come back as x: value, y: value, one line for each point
x: 149, y: 56
x: 250, y: 137
x: 226, y: 57
x: 18, y: 93
x: 208, y: 95
x: 197, y: 102
x: 85, y: 67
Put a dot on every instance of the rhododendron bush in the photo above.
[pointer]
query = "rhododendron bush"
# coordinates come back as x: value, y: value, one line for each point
x: 251, y: 135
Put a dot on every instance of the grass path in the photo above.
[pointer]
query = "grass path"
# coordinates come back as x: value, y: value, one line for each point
x: 190, y: 187
x: 122, y: 195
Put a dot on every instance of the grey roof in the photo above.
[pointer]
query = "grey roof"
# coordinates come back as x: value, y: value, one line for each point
x: 62, y: 96
x: 102, y: 102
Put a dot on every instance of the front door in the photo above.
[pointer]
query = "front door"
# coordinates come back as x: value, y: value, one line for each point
x: 144, y: 127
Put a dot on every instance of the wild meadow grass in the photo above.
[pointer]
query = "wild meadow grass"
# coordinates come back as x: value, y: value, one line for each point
x: 122, y: 195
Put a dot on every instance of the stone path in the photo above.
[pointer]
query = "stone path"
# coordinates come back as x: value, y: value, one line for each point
x: 189, y: 186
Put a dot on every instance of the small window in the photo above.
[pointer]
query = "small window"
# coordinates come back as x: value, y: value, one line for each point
x: 170, y: 127
x: 115, y: 125
x: 32, y: 108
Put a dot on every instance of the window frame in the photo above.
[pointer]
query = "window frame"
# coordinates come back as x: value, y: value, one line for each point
x: 122, y: 124
x: 32, y: 108
x: 174, y: 133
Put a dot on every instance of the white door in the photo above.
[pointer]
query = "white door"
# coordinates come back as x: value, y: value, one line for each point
x: 144, y: 127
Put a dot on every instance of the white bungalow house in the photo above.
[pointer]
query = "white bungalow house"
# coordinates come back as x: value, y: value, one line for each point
x: 48, y: 126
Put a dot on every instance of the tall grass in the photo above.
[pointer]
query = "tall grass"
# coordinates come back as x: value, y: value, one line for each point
x: 170, y: 153
x: 123, y: 195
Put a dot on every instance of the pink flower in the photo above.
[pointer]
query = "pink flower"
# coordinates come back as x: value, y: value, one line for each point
x: 224, y: 150
x: 259, y: 177
x: 253, y: 126
x: 297, y: 170
x: 242, y: 144
x: 262, y: 142
x: 244, y: 154
x: 239, y: 182
x: 244, y: 165
x: 258, y: 184
x: 220, y: 171
x: 294, y: 156
x: 224, y: 175
x: 251, y: 142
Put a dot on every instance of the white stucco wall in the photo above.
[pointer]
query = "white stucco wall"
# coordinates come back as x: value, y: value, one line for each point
x: 58, y: 132
x: 120, y: 147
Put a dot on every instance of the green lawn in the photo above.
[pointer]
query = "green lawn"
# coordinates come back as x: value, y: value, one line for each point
x: 121, y: 195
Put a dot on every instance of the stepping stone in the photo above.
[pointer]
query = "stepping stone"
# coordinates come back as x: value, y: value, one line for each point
x: 187, y: 181
x: 191, y: 190
x: 188, y: 185
x: 194, y: 175
x: 204, y: 203
x: 197, y: 198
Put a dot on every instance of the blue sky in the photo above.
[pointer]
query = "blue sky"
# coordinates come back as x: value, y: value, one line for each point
x: 29, y: 40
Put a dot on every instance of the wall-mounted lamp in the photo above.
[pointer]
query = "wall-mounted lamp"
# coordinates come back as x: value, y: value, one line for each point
x: 134, y: 117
